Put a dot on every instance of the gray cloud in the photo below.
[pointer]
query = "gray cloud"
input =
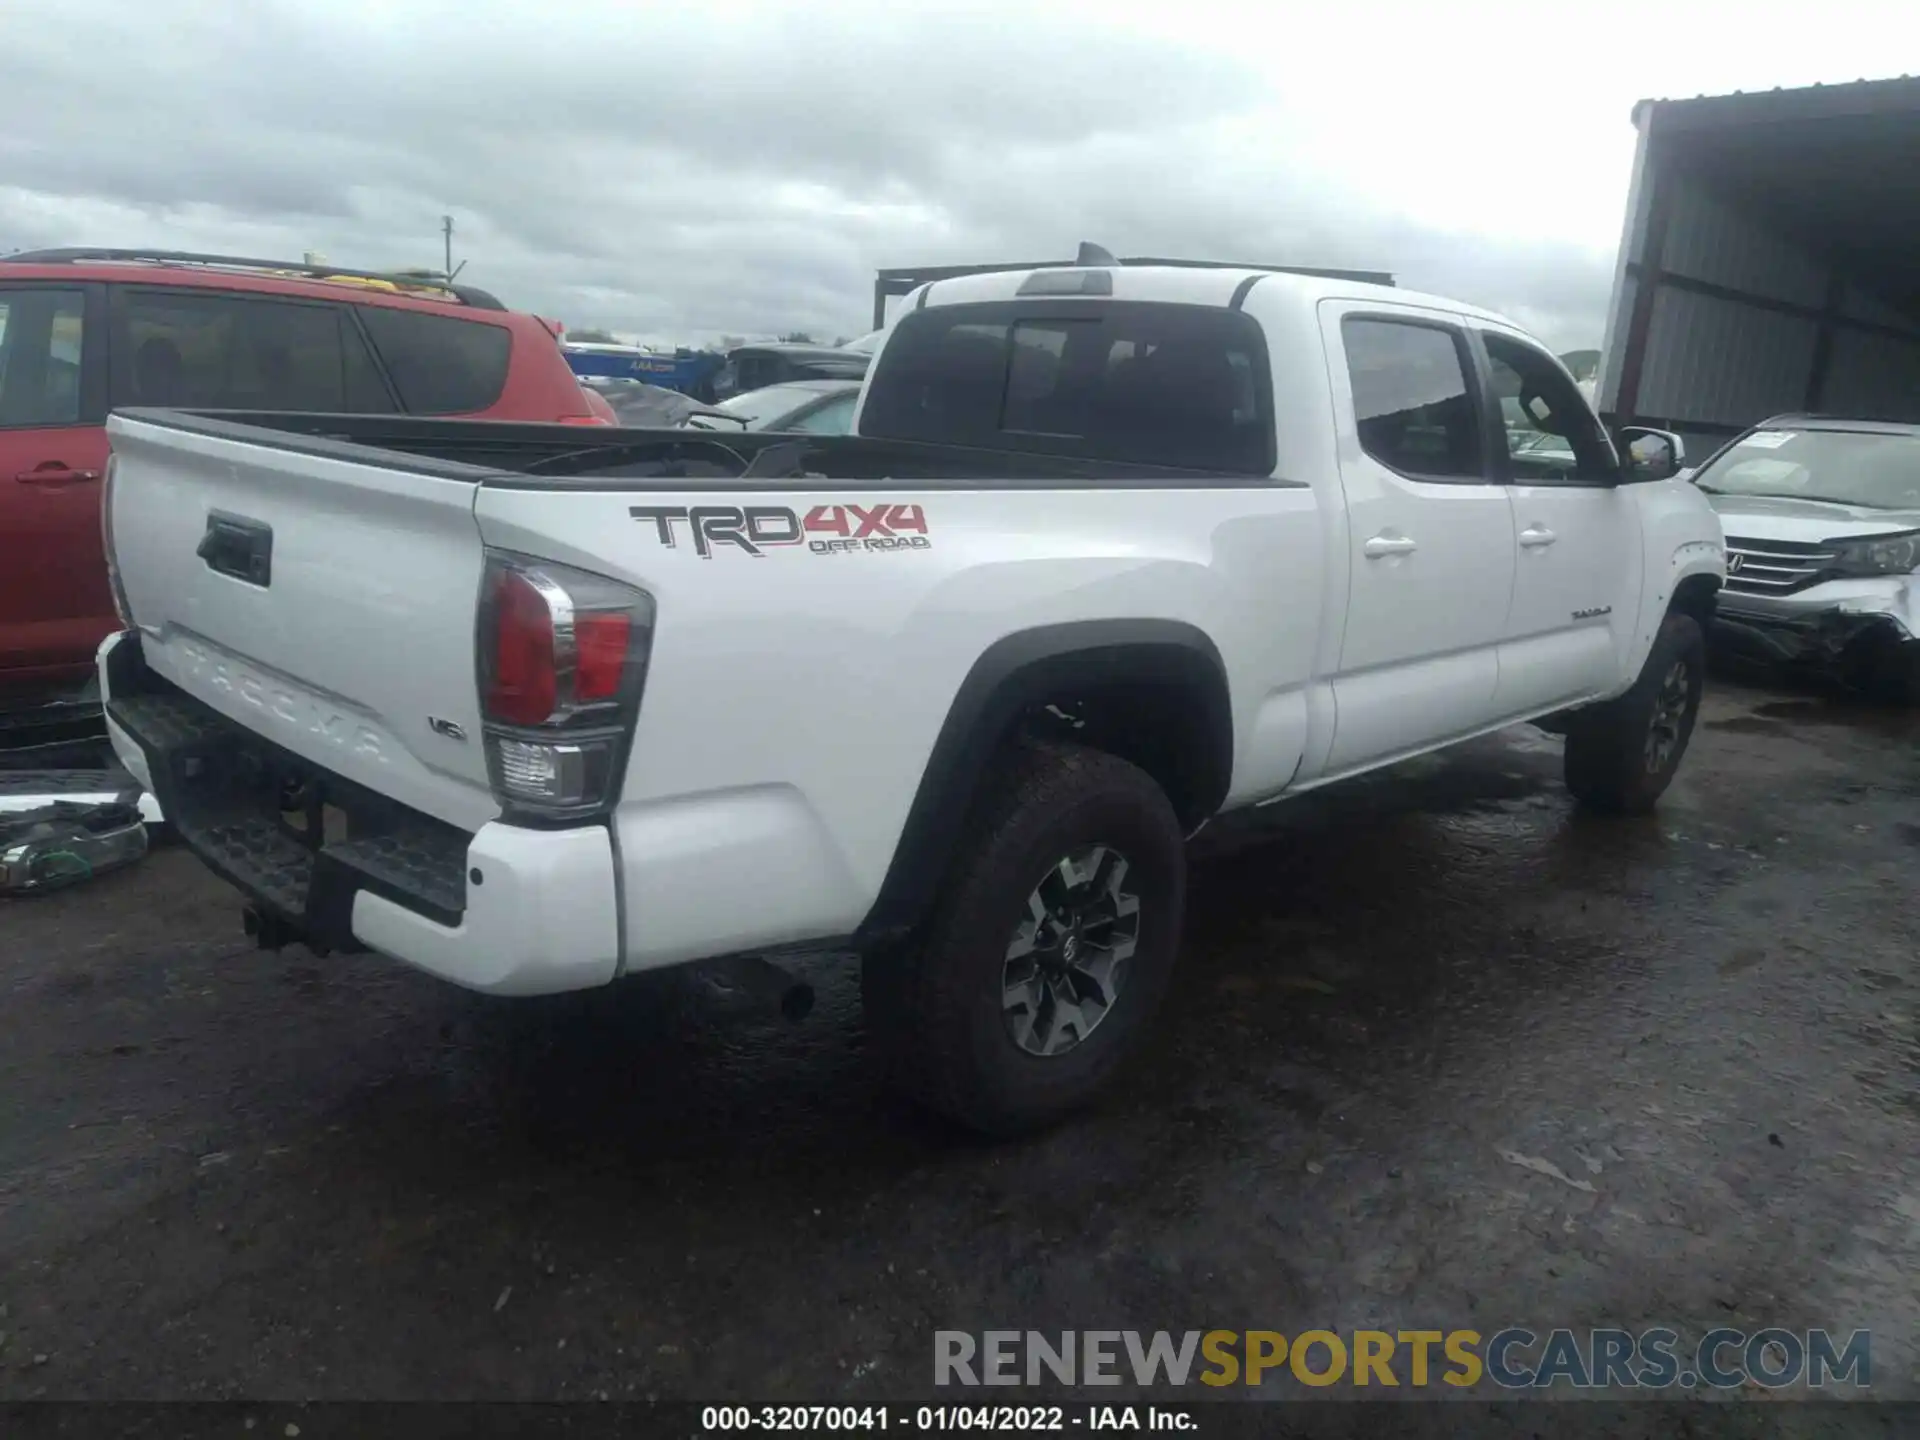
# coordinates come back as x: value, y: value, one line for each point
x: 683, y: 172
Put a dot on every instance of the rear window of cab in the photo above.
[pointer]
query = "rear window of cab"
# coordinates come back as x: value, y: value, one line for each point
x: 1179, y: 386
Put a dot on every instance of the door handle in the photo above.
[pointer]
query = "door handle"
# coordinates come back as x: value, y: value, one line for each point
x: 1381, y: 546
x: 55, y: 473
x: 1535, y: 536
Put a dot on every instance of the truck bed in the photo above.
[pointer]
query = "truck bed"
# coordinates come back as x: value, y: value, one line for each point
x: 509, y: 455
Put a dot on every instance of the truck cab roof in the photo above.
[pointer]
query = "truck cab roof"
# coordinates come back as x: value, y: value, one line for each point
x: 1186, y: 285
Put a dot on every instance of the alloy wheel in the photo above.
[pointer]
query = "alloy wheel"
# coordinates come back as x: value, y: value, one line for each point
x: 1068, y: 959
x: 1669, y: 718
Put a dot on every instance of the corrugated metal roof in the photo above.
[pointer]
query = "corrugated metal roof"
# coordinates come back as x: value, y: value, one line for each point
x: 1805, y: 102
x: 1824, y: 167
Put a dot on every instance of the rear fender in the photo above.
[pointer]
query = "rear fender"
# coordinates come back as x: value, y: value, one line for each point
x: 1018, y: 674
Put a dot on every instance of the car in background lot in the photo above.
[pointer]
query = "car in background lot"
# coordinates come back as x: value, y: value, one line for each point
x: 83, y: 332
x: 603, y: 365
x: 1541, y: 448
x: 754, y: 367
x: 818, y: 407
x: 636, y: 404
x: 1822, y: 522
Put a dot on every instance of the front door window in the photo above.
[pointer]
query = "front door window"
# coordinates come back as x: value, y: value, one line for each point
x: 1551, y: 432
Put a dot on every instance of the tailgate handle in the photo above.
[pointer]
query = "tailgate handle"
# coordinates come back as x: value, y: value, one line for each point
x: 237, y: 546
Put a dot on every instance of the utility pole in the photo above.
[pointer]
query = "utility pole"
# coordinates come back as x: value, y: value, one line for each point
x: 446, y: 233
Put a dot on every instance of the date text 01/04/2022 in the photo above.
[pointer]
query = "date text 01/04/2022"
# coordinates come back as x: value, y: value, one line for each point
x: 719, y: 1418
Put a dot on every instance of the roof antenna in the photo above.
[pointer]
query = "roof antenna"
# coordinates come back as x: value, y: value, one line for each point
x: 1091, y: 254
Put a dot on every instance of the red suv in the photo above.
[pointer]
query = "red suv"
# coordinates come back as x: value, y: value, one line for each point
x: 83, y: 332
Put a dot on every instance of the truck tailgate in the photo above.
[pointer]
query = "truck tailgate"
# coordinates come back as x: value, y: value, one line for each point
x: 325, y: 604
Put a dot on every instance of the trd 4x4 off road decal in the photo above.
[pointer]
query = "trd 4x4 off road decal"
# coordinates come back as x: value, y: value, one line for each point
x: 756, y: 529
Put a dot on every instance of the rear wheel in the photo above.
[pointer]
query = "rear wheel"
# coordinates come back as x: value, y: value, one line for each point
x: 1622, y: 755
x: 1049, y: 950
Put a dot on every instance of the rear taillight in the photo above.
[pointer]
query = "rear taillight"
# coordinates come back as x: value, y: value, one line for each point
x: 601, y: 643
x: 120, y: 605
x: 562, y: 660
x: 523, y: 683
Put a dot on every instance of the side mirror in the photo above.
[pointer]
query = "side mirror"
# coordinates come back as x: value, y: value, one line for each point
x: 1650, y: 454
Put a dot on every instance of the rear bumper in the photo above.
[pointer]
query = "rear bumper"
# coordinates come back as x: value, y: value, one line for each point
x: 506, y: 910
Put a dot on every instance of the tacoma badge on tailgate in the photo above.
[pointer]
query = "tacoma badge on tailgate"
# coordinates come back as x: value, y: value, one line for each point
x: 290, y: 708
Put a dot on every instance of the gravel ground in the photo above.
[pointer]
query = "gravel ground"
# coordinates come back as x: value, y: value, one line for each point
x: 1441, y: 1053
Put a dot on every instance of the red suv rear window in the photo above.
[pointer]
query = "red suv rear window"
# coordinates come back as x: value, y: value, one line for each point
x: 439, y: 364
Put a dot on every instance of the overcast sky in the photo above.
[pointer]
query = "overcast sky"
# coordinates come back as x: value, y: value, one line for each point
x: 680, y: 171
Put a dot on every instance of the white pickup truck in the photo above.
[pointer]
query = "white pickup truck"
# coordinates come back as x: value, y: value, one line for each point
x: 1113, y: 550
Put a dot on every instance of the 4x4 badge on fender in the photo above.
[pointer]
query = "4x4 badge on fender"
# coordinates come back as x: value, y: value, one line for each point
x: 757, y: 529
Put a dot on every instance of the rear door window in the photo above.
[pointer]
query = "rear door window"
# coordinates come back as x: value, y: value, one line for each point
x: 1412, y: 401
x: 212, y: 350
x: 1179, y: 386
x: 440, y: 365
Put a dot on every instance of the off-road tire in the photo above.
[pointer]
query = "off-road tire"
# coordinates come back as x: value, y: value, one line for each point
x: 1610, y: 760
x: 934, y: 1007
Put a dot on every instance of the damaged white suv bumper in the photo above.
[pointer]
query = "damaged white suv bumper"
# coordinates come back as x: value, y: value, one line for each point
x: 1866, y: 622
